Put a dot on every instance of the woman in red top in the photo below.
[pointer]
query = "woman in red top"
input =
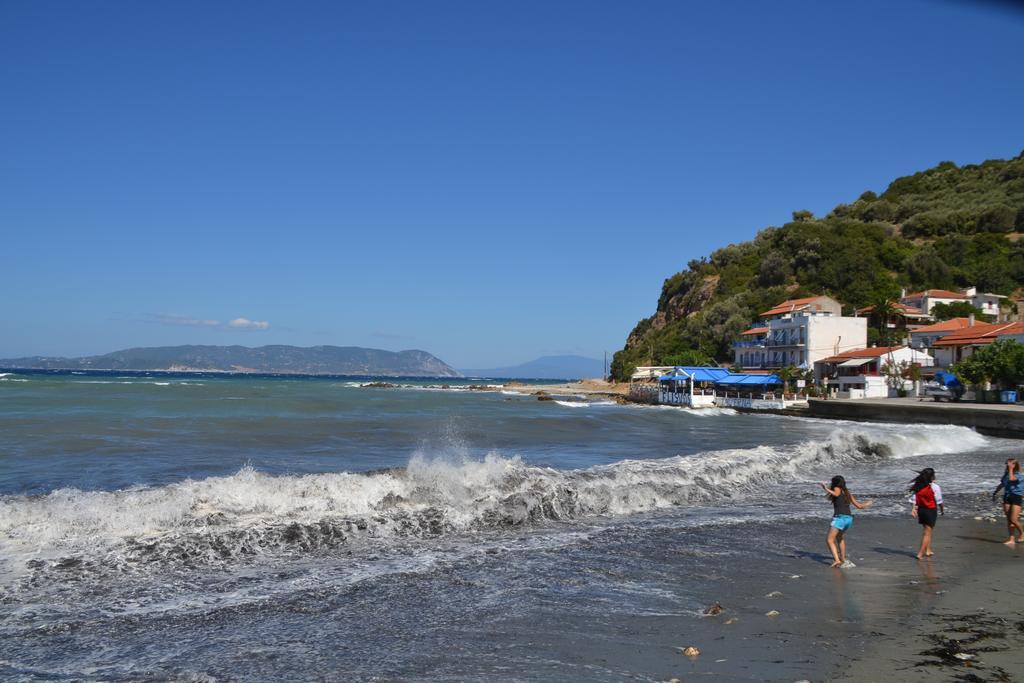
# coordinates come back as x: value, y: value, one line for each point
x: 927, y: 500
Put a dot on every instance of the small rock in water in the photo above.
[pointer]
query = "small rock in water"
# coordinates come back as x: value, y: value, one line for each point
x: 773, y: 613
x: 797, y: 576
x: 774, y: 594
x: 690, y: 651
x: 963, y: 656
x: 713, y: 610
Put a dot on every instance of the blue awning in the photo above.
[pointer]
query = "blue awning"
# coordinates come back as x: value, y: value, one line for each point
x: 697, y: 374
x: 759, y: 380
x: 718, y: 376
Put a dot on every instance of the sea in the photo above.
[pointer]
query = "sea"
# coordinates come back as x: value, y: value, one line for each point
x: 211, y: 527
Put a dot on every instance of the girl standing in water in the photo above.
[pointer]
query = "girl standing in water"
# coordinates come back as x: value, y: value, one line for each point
x: 1013, y: 489
x: 927, y: 500
x: 842, y: 517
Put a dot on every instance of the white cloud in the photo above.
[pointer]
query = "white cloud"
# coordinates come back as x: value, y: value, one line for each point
x: 246, y: 324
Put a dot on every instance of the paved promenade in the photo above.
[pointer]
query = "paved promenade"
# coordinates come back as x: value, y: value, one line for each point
x: 994, y: 419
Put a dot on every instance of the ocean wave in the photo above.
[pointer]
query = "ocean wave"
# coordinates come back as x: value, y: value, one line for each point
x: 251, y: 513
x: 584, y: 404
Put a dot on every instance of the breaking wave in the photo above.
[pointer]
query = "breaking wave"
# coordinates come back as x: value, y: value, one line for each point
x: 251, y: 513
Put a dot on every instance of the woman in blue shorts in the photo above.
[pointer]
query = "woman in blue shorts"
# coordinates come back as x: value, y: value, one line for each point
x: 842, y: 517
x: 1013, y: 489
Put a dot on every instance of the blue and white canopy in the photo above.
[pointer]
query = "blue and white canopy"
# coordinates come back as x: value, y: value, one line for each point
x: 718, y: 376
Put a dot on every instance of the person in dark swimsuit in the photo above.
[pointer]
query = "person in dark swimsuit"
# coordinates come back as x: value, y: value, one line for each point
x: 842, y: 518
x: 927, y: 500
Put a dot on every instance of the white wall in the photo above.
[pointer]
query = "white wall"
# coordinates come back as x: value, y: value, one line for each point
x: 829, y: 336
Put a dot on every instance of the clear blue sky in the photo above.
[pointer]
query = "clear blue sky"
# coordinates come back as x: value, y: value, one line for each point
x: 490, y: 182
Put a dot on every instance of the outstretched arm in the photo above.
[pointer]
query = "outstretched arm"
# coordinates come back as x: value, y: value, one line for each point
x: 859, y: 505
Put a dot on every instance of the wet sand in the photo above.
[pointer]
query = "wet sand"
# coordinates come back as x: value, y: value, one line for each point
x: 890, y: 618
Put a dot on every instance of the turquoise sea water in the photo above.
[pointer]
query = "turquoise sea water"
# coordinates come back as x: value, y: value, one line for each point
x: 171, y: 525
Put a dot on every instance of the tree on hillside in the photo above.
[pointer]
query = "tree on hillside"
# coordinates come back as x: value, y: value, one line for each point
x: 690, y: 358
x: 957, y: 309
x: 926, y: 269
x: 940, y: 228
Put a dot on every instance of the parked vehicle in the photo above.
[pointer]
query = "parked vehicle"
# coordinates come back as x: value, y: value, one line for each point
x: 945, y: 386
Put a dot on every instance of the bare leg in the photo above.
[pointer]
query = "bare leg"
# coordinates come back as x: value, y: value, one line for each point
x: 926, y: 541
x: 1009, y: 524
x: 832, y: 547
x: 842, y: 546
x: 1014, y: 525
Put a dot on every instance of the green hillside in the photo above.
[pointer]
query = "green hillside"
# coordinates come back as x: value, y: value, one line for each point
x: 947, y: 227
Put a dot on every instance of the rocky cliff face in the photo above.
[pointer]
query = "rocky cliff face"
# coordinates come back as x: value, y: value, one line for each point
x: 315, y: 360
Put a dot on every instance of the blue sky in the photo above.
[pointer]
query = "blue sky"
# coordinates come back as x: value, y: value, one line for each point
x: 490, y: 182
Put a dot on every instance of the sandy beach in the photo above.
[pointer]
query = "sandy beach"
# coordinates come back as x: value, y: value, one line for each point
x: 787, y: 616
x: 587, y: 387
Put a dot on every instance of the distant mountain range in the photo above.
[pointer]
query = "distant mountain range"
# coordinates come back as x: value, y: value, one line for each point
x: 548, y: 367
x: 313, y: 360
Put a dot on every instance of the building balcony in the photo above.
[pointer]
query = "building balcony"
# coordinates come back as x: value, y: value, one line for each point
x: 753, y: 344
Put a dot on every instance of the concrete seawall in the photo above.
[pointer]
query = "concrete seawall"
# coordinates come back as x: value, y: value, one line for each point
x: 994, y: 420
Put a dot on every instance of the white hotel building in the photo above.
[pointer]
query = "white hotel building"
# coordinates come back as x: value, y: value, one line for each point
x: 800, y: 332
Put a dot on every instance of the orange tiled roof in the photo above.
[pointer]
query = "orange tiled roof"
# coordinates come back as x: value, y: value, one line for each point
x: 873, y: 352
x: 755, y: 330
x: 985, y: 333
x: 937, y: 294
x: 792, y: 305
x: 950, y: 325
x: 898, y: 307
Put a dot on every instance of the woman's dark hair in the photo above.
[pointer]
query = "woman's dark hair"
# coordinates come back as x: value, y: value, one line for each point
x: 923, y: 478
x: 838, y: 482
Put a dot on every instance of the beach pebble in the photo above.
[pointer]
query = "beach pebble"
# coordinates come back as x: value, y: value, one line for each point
x: 773, y: 613
x: 690, y: 651
x: 774, y: 594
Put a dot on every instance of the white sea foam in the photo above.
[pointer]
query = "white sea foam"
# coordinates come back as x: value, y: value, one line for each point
x: 585, y: 404
x: 250, y: 513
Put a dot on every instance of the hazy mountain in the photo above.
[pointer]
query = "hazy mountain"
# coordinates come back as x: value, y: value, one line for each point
x: 548, y: 367
x: 314, y: 360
